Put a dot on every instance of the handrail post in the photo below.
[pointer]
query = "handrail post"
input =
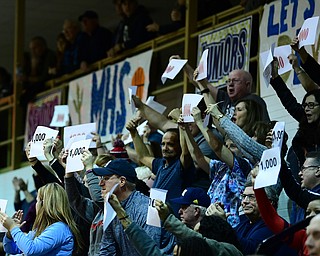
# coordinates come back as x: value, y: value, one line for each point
x: 190, y: 44
x: 17, y: 60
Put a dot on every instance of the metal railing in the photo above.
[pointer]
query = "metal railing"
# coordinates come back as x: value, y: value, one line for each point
x: 11, y: 146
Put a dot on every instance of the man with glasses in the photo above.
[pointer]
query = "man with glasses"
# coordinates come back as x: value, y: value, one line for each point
x: 239, y: 86
x: 310, y: 178
x: 252, y: 230
x: 114, y: 241
x: 193, y: 205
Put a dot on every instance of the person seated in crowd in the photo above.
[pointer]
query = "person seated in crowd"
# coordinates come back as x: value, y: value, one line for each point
x: 308, y: 190
x: 239, y: 87
x: 60, y: 49
x: 89, y: 208
x: 54, y: 231
x: 178, y: 19
x: 6, y: 86
x: 227, y: 173
x: 307, y: 137
x: 114, y: 241
x: 276, y: 223
x: 134, y: 27
x: 36, y: 69
x: 95, y: 40
x: 252, y: 230
x: 73, y: 35
x: 30, y: 196
x: 313, y: 242
x: 212, y: 226
x: 193, y: 205
x: 175, y: 170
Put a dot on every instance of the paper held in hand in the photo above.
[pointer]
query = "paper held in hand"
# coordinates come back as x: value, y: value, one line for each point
x: 60, y: 116
x: 189, y: 101
x: 173, y: 69
x: 40, y: 135
x: 308, y: 32
x: 269, y: 168
x: 153, y: 217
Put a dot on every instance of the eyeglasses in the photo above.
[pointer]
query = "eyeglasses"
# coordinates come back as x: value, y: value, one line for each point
x: 234, y: 81
x: 304, y: 168
x: 251, y: 197
x: 310, y: 105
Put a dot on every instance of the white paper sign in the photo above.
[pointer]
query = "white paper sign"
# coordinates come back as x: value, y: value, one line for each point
x: 132, y: 91
x: 277, y: 134
x: 155, y: 105
x: 308, y: 32
x: 153, y: 217
x: 74, y: 162
x: 189, y: 101
x: 60, y: 116
x: 108, y: 213
x: 269, y: 168
x: 3, y: 206
x: 40, y: 135
x: 79, y: 130
x: 203, y: 66
x: 268, y: 66
x: 173, y: 69
x: 140, y: 130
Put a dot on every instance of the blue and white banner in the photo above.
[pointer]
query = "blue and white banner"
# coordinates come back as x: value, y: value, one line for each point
x: 229, y: 49
x: 281, y: 21
x: 103, y: 96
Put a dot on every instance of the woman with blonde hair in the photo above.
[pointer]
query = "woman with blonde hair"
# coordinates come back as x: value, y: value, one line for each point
x: 54, y: 231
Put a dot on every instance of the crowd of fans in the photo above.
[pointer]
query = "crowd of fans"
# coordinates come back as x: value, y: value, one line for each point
x: 209, y: 171
x: 84, y: 41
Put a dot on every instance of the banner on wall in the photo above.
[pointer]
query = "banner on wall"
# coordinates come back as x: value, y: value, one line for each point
x: 40, y: 112
x: 103, y: 96
x: 229, y: 49
x: 281, y: 21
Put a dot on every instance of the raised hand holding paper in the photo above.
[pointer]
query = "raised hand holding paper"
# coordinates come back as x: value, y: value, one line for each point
x: 173, y: 69
x: 308, y: 32
x: 40, y: 135
x: 60, y: 116
x: 155, y: 105
x: 79, y: 130
x: 203, y: 66
x: 278, y: 134
x: 74, y: 162
x: 189, y: 101
x: 269, y: 168
x: 267, y: 68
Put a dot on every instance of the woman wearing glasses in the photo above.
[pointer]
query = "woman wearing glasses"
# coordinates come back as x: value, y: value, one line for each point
x: 307, y: 113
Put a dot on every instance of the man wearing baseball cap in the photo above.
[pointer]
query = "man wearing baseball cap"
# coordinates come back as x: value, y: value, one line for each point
x: 193, y: 204
x: 114, y: 241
